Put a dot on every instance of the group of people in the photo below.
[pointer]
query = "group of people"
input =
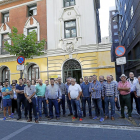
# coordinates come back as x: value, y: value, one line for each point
x: 39, y: 97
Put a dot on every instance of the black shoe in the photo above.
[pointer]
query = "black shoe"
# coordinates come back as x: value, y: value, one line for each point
x: 47, y: 116
x: 70, y: 114
x: 18, y: 118
x: 84, y: 116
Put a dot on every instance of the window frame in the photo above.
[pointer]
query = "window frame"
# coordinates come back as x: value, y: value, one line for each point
x: 33, y: 69
x: 69, y: 3
x: 32, y: 6
x: 72, y: 27
x: 3, y: 17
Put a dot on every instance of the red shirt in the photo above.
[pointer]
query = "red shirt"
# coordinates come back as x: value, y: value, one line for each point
x: 124, y: 85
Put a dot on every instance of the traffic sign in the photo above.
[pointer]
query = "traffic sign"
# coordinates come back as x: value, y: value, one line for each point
x: 120, y: 51
x: 20, y: 60
x: 121, y: 60
x: 20, y: 67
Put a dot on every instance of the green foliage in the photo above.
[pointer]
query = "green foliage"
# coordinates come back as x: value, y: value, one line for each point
x: 26, y: 46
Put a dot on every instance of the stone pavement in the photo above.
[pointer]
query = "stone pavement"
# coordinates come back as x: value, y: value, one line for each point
x: 68, y: 119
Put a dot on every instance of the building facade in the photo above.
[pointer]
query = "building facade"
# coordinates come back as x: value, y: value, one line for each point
x: 130, y: 33
x: 114, y: 37
x: 72, y: 34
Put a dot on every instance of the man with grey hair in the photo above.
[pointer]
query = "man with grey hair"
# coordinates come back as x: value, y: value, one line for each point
x: 63, y: 92
x: 109, y: 95
x: 74, y: 93
x: 137, y: 94
x: 133, y: 81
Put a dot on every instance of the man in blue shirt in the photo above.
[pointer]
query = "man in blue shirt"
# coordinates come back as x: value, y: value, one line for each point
x: 86, y: 96
x: 21, y: 99
x: 6, y: 92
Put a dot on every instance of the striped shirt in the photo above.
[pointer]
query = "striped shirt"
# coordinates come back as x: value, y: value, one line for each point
x: 96, y: 93
x: 109, y: 89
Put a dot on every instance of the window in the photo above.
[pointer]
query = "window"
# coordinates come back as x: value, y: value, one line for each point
x: 116, y: 41
x: 32, y: 10
x: 126, y: 24
x: 128, y: 42
x: 68, y: 3
x: 5, y: 74
x: 115, y: 33
x: 123, y: 33
x: 113, y: 13
x: 137, y: 51
x: 33, y: 72
x: 5, y: 17
x: 125, y: 8
x: 132, y: 11
x: 5, y: 38
x: 134, y: 33
x: 70, y: 29
x: 115, y: 27
x: 32, y: 29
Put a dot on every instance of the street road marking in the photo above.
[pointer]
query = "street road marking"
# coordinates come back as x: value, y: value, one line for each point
x: 16, y: 132
x: 82, y: 125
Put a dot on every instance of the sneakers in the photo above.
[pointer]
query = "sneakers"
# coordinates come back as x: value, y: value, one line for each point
x: 80, y: 119
x: 4, y: 118
x: 95, y: 118
x: 10, y: 116
x: 102, y: 119
x: 73, y: 118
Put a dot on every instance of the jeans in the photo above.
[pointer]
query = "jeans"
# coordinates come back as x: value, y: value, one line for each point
x: 98, y: 107
x: 22, y: 99
x: 133, y: 97
x: 110, y: 100
x: 138, y: 102
x: 125, y: 100
x: 76, y: 107
x: 69, y: 104
x: 54, y: 102
x: 40, y: 101
x: 88, y: 99
x: 63, y: 103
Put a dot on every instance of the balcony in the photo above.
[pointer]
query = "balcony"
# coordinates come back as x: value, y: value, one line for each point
x: 3, y: 51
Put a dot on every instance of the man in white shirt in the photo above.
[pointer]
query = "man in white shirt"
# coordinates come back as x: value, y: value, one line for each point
x: 74, y: 93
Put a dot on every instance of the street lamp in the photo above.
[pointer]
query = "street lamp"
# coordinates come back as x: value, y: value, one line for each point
x: 117, y: 18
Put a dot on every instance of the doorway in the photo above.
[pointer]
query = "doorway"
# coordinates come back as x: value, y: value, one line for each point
x: 72, y: 68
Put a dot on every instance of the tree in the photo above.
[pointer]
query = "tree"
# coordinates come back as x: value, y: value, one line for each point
x: 26, y: 46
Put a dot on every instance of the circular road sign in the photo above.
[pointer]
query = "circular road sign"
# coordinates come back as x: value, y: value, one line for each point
x: 20, y: 60
x: 120, y: 51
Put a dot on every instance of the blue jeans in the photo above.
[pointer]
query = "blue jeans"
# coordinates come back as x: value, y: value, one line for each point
x: 69, y: 104
x: 54, y: 102
x: 63, y: 103
x: 110, y: 100
x: 88, y: 99
x: 98, y: 107
x: 76, y: 107
x: 31, y: 106
x: 40, y: 101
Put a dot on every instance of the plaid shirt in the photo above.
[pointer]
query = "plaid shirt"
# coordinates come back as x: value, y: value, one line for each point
x: 109, y: 89
x: 96, y: 93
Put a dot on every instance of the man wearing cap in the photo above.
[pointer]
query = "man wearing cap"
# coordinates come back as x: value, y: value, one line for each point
x: 125, y: 98
x: 53, y: 97
x: 29, y: 92
x: 137, y: 94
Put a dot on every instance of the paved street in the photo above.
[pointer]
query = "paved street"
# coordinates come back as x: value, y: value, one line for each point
x: 20, y: 130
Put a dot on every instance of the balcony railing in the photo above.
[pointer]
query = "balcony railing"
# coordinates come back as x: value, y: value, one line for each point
x: 3, y: 51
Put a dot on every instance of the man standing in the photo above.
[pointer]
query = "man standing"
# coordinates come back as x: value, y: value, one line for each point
x: 137, y: 94
x: 86, y: 96
x: 53, y: 97
x: 63, y: 92
x: 21, y: 99
x: 24, y: 81
x: 125, y: 99
x: 68, y: 101
x: 101, y: 79
x: 6, y: 92
x: 90, y: 79
x: 74, y: 94
x: 29, y: 92
x: 133, y: 81
x: 109, y: 94
x: 47, y: 82
x: 81, y: 81
x: 95, y: 89
x: 40, y: 92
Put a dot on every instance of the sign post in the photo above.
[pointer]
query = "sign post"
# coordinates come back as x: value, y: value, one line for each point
x: 20, y: 61
x: 120, y: 51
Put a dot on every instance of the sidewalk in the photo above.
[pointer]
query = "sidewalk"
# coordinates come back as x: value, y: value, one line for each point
x: 68, y: 119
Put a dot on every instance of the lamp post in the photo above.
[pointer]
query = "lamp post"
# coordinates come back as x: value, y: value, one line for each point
x: 117, y: 18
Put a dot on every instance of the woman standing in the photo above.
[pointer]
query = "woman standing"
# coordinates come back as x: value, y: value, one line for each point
x: 14, y: 99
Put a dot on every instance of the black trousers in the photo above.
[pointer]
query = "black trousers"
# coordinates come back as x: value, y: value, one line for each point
x: 133, y: 97
x: 14, y: 105
x: 22, y: 99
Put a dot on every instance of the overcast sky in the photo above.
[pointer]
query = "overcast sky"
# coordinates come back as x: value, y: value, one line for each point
x: 104, y: 16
